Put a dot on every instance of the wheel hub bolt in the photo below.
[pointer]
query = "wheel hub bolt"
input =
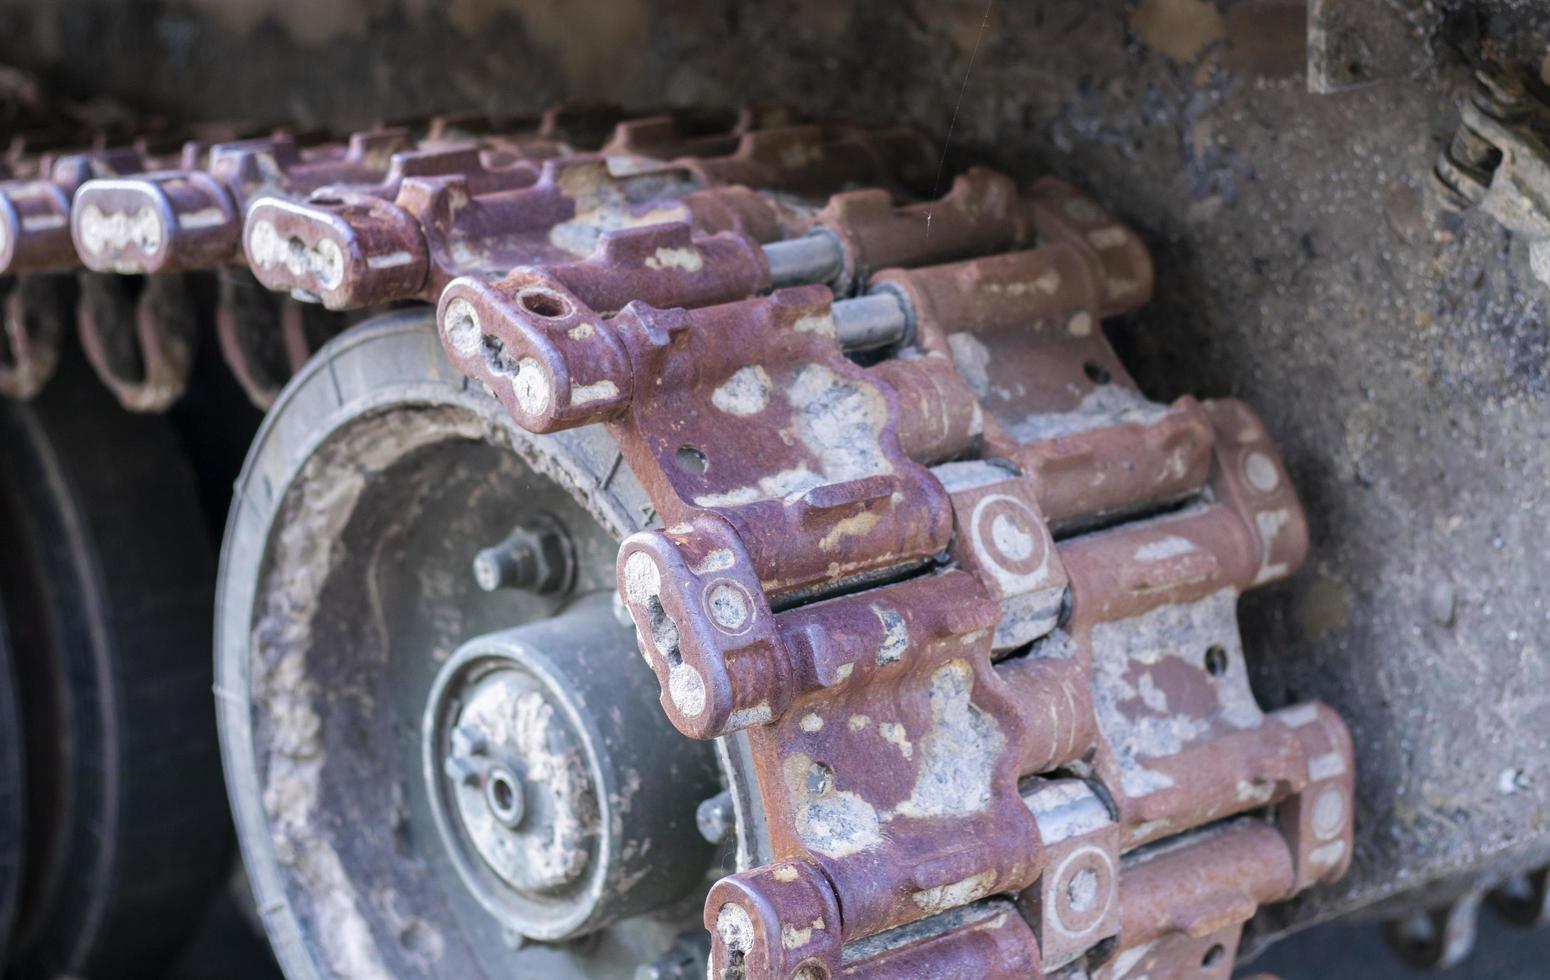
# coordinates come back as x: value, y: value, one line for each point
x: 537, y: 556
x: 715, y: 818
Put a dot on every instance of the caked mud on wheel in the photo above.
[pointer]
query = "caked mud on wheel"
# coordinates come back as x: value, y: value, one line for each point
x: 421, y: 789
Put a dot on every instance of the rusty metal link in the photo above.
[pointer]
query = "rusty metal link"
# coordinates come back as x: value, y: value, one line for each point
x: 1499, y: 160
x: 1524, y: 900
x: 1023, y: 330
x: 1437, y: 938
x: 586, y: 128
x: 967, y: 602
x: 145, y: 362
x: 264, y: 338
x: 1015, y: 672
x: 1162, y: 771
x: 31, y: 154
x: 140, y: 335
x: 982, y: 213
x: 191, y: 217
x: 359, y: 246
x: 166, y: 207
x: 681, y: 133
x: 357, y: 250
x: 767, y: 147
x: 815, y: 158
x: 37, y: 312
x: 986, y: 939
x: 1184, y: 902
x: 837, y: 481
x: 35, y: 213
x: 544, y: 316
x: 504, y: 143
x: 669, y: 265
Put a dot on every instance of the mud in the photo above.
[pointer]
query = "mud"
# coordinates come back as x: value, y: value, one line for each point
x: 1397, y: 352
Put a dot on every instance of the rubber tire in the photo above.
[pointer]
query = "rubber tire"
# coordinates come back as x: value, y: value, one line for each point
x: 13, y: 788
x: 108, y: 573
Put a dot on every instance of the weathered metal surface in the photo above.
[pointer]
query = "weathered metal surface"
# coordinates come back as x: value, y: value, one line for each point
x: 361, y: 247
x: 191, y: 217
x: 265, y: 339
x: 1184, y: 901
x: 449, y: 195
x: 705, y: 133
x: 972, y: 604
x: 1437, y: 938
x: 986, y: 939
x: 1396, y: 353
x: 538, y: 740
x: 35, y: 214
x: 668, y: 265
x: 1023, y: 331
x: 37, y: 312
x: 1524, y: 900
x: 893, y: 727
x: 981, y: 213
x: 1499, y: 161
x: 537, y: 555
x: 139, y: 334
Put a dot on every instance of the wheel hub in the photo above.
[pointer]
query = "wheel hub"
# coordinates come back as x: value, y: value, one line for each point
x: 519, y: 759
x: 519, y: 800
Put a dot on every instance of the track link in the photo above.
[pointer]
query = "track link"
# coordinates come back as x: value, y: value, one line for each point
x: 957, y: 600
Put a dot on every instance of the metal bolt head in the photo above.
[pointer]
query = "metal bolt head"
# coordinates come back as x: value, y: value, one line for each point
x: 504, y: 566
x: 538, y: 556
x: 715, y: 818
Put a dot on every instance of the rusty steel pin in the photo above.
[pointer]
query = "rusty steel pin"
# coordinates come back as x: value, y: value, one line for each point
x: 815, y: 257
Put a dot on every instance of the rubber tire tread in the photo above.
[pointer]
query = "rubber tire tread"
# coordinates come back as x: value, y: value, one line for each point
x: 13, y: 789
x: 107, y: 505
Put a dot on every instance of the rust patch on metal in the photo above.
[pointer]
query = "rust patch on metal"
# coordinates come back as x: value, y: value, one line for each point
x: 1016, y: 672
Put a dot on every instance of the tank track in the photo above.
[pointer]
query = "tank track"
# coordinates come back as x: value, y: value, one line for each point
x: 957, y: 601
